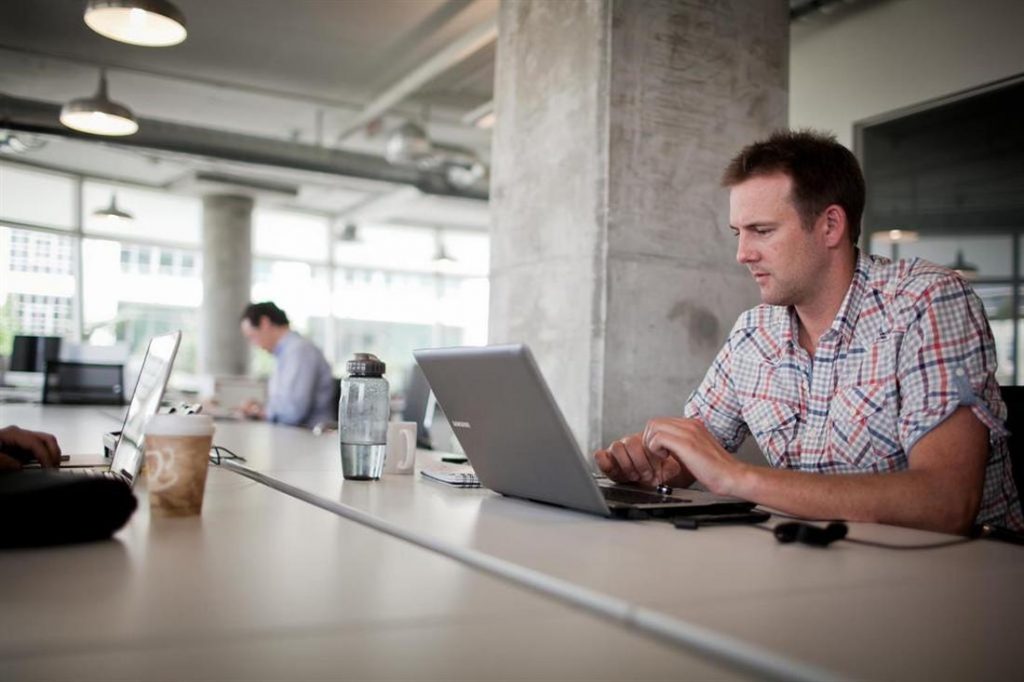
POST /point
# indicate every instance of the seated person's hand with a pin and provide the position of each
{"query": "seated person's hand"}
(252, 409)
(628, 461)
(19, 446)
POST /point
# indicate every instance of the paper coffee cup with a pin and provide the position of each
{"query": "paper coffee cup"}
(177, 457)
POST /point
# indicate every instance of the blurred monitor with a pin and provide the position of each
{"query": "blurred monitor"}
(31, 353)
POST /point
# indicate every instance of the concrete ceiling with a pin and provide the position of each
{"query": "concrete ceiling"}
(296, 70)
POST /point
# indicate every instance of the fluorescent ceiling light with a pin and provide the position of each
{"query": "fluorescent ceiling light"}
(150, 23)
(98, 115)
(903, 236)
(895, 236)
(112, 213)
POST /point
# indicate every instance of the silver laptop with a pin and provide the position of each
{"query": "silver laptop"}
(520, 445)
(149, 391)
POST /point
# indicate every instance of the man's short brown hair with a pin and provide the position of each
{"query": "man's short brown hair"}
(823, 171)
(254, 312)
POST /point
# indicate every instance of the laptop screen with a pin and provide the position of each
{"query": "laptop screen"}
(156, 368)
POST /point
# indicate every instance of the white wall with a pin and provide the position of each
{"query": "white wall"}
(888, 55)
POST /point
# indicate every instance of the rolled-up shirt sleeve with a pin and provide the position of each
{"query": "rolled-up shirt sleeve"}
(714, 402)
(947, 360)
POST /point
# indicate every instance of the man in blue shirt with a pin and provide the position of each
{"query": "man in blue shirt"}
(301, 389)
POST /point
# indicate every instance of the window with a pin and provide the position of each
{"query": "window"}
(166, 262)
(383, 294)
(158, 216)
(20, 190)
(286, 234)
(129, 305)
(944, 175)
(36, 293)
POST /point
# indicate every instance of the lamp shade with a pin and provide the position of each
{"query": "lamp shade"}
(99, 115)
(441, 255)
(962, 267)
(113, 213)
(150, 23)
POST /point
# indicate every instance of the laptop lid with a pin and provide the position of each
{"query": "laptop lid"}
(149, 391)
(510, 426)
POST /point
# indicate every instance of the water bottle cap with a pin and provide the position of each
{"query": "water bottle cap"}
(365, 365)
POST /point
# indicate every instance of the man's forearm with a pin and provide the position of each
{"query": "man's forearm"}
(919, 499)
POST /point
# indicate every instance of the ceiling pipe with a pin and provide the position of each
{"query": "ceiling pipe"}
(42, 117)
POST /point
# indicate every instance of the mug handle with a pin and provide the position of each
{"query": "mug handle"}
(410, 449)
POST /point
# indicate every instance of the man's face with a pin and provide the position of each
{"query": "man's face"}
(785, 259)
(260, 335)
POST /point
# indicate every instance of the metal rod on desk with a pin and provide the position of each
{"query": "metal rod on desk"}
(723, 649)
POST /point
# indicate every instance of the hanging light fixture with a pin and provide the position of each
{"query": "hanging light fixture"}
(112, 213)
(441, 256)
(150, 23)
(966, 270)
(98, 115)
(350, 234)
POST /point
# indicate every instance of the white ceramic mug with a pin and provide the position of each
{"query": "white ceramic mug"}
(401, 452)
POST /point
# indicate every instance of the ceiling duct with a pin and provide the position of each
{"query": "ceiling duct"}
(41, 117)
(409, 145)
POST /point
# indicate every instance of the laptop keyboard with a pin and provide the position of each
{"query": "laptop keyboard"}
(625, 496)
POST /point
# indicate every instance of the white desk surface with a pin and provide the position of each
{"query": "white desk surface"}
(864, 612)
(265, 586)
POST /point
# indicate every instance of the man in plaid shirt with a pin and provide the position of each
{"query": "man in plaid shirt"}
(852, 365)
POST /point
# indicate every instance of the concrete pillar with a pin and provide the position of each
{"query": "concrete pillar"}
(227, 268)
(611, 254)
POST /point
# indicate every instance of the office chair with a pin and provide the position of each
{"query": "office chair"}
(83, 383)
(1013, 396)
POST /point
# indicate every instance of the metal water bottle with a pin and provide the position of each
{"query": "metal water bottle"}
(363, 413)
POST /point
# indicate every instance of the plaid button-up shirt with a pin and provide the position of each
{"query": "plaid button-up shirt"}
(909, 345)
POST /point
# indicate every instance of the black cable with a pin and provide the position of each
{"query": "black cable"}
(216, 457)
(880, 545)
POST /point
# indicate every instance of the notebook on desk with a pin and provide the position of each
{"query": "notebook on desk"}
(520, 445)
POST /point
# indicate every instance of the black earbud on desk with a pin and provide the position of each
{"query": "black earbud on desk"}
(797, 531)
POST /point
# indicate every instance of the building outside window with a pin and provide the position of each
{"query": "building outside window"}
(37, 287)
(384, 294)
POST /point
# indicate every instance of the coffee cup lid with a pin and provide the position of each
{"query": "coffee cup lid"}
(180, 425)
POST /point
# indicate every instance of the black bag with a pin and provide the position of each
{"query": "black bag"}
(52, 507)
